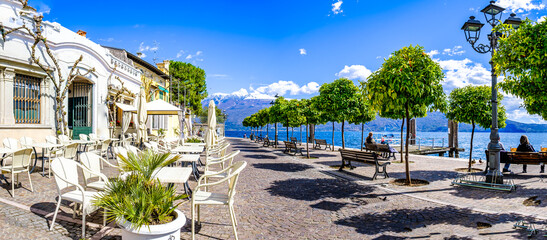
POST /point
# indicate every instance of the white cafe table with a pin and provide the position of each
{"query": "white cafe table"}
(193, 160)
(171, 175)
(84, 143)
(187, 149)
(194, 144)
(45, 147)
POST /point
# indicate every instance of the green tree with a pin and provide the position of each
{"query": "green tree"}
(408, 84)
(292, 116)
(472, 105)
(340, 102)
(365, 114)
(521, 57)
(263, 117)
(307, 108)
(187, 84)
(204, 114)
(277, 113)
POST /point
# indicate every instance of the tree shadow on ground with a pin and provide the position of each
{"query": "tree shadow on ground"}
(480, 193)
(308, 189)
(74, 230)
(283, 167)
(260, 156)
(404, 220)
(429, 175)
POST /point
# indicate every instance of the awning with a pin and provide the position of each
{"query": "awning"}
(160, 107)
(126, 108)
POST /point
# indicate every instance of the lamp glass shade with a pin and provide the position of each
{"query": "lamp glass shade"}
(513, 20)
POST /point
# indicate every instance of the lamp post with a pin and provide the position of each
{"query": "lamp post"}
(472, 29)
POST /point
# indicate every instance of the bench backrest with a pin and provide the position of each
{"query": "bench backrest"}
(293, 139)
(358, 155)
(321, 141)
(371, 146)
(383, 147)
(290, 144)
(520, 157)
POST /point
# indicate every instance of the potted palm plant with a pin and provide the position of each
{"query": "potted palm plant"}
(139, 203)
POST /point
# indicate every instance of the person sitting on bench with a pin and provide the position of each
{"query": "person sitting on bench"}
(525, 146)
(369, 138)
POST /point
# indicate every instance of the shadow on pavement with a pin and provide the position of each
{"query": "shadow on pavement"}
(282, 167)
(404, 220)
(314, 189)
(260, 156)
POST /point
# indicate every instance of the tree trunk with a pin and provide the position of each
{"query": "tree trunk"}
(471, 147)
(307, 142)
(402, 125)
(407, 167)
(275, 144)
(333, 136)
(300, 133)
(362, 135)
(343, 140)
(287, 129)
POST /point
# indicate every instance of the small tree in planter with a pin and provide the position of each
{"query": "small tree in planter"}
(138, 199)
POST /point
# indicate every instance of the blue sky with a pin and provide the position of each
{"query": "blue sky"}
(260, 48)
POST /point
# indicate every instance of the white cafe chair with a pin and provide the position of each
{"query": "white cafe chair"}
(20, 163)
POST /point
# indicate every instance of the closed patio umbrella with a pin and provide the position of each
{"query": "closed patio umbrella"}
(211, 136)
(141, 117)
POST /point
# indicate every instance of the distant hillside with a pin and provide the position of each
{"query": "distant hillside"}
(239, 107)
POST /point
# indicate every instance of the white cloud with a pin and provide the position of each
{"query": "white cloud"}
(280, 88)
(457, 50)
(143, 55)
(218, 76)
(541, 19)
(145, 48)
(180, 53)
(515, 111)
(107, 40)
(521, 5)
(337, 7)
(353, 72)
(433, 53)
(460, 73)
(43, 9)
(195, 57)
(303, 51)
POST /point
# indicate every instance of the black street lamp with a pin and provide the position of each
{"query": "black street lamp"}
(472, 29)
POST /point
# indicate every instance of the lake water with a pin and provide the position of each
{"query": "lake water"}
(480, 141)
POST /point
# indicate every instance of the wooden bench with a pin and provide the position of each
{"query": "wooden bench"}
(364, 157)
(319, 142)
(268, 142)
(291, 145)
(294, 140)
(533, 158)
(383, 149)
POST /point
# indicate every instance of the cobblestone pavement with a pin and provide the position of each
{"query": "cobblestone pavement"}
(281, 196)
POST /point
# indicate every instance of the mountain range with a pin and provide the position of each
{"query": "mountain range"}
(239, 106)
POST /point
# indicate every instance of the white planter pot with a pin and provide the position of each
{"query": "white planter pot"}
(168, 231)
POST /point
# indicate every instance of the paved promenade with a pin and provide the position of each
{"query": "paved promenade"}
(282, 196)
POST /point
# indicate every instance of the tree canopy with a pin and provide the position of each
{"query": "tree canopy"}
(521, 57)
(408, 84)
(203, 115)
(471, 104)
(339, 101)
(189, 77)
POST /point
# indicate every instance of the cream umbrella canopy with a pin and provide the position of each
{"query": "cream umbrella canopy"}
(141, 117)
(211, 136)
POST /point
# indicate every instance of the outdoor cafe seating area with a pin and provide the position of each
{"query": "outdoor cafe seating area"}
(78, 168)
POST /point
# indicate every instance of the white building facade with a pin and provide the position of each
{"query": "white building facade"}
(27, 95)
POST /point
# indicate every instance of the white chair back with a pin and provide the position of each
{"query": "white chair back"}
(120, 151)
(26, 141)
(66, 169)
(64, 139)
(93, 136)
(234, 171)
(83, 137)
(21, 158)
(133, 149)
(11, 143)
(104, 145)
(92, 162)
(51, 139)
(71, 150)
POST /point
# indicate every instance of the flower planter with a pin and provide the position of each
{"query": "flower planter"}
(168, 231)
